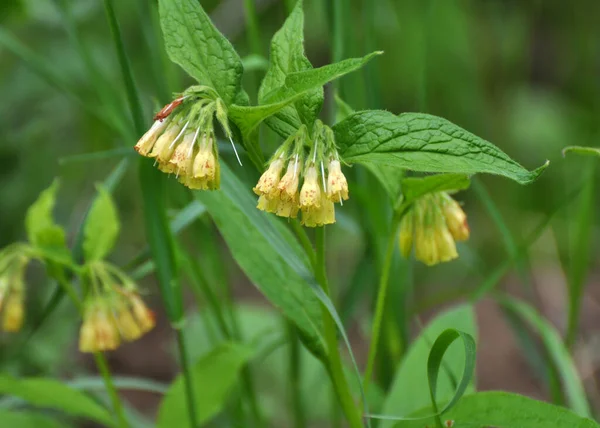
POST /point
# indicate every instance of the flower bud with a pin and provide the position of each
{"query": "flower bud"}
(128, 328)
(145, 144)
(163, 149)
(99, 331)
(13, 312)
(268, 182)
(145, 318)
(288, 185)
(456, 219)
(182, 160)
(310, 195)
(337, 186)
(446, 248)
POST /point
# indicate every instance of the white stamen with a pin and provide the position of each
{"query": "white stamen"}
(179, 135)
(296, 165)
(235, 151)
(323, 176)
(341, 200)
(193, 142)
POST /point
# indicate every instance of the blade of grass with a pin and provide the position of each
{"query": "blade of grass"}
(580, 252)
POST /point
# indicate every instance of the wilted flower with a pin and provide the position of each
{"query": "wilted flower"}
(182, 138)
(433, 224)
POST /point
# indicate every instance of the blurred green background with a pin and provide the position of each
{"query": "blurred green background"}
(524, 75)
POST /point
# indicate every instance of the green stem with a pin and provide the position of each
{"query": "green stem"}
(252, 27)
(334, 362)
(304, 241)
(111, 389)
(380, 306)
(295, 376)
(187, 378)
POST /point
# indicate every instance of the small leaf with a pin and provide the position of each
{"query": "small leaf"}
(193, 42)
(415, 187)
(51, 394)
(287, 56)
(101, 228)
(587, 151)
(42, 231)
(213, 377)
(505, 410)
(423, 142)
(268, 254)
(413, 371)
(21, 419)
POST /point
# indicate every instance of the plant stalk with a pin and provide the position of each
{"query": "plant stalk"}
(187, 377)
(295, 376)
(111, 389)
(334, 362)
(381, 296)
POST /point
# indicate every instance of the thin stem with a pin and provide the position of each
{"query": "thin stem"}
(380, 306)
(334, 362)
(295, 376)
(187, 377)
(304, 241)
(111, 389)
(252, 27)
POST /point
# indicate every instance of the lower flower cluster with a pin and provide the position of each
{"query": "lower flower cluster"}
(434, 222)
(112, 312)
(284, 196)
(12, 290)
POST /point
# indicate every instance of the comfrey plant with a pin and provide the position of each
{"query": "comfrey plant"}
(420, 160)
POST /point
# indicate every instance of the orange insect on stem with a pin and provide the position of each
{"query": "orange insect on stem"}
(168, 109)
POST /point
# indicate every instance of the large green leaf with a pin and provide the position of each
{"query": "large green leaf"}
(287, 56)
(269, 255)
(12, 419)
(505, 410)
(409, 391)
(193, 42)
(49, 393)
(422, 142)
(559, 354)
(101, 227)
(213, 376)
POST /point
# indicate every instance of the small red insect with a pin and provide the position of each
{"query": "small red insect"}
(168, 109)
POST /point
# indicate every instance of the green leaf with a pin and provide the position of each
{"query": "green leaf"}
(51, 394)
(42, 231)
(101, 227)
(269, 255)
(422, 142)
(247, 118)
(213, 377)
(505, 410)
(27, 420)
(559, 354)
(587, 151)
(415, 187)
(302, 81)
(403, 400)
(193, 42)
(287, 56)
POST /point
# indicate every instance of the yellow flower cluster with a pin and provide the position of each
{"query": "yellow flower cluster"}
(107, 319)
(283, 195)
(434, 222)
(182, 140)
(12, 292)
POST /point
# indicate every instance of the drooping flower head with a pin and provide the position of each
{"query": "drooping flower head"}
(305, 186)
(182, 139)
(113, 311)
(433, 224)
